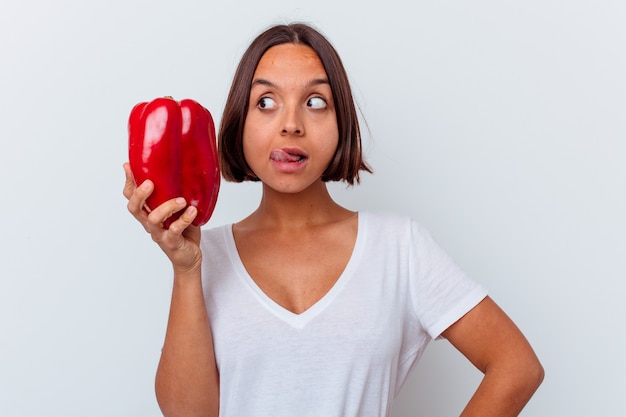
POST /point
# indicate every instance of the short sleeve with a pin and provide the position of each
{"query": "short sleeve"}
(441, 291)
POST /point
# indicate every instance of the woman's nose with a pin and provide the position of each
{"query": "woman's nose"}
(292, 122)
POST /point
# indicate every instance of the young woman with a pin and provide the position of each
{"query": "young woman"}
(306, 308)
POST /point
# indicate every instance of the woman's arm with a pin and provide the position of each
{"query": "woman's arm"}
(187, 380)
(494, 344)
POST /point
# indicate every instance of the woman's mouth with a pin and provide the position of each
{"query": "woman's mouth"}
(288, 155)
(288, 160)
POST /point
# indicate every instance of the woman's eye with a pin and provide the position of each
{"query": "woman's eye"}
(266, 103)
(316, 103)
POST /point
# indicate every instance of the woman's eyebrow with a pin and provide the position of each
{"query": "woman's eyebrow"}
(263, 82)
(317, 81)
(268, 83)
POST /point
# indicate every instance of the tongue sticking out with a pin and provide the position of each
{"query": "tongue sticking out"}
(281, 156)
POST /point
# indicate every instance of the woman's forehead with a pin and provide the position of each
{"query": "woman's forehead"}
(290, 59)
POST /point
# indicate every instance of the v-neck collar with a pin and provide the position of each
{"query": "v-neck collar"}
(289, 317)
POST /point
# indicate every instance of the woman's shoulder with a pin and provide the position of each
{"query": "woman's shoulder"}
(386, 219)
(216, 235)
(393, 225)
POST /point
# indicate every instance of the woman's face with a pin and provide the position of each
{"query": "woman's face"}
(290, 134)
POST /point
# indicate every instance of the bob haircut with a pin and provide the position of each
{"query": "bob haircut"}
(348, 159)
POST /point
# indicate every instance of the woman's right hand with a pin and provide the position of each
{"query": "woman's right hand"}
(181, 242)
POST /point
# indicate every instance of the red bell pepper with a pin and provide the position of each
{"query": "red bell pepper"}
(173, 144)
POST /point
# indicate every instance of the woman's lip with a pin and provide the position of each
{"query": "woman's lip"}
(288, 160)
(289, 155)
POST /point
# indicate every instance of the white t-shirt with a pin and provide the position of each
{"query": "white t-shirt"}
(350, 353)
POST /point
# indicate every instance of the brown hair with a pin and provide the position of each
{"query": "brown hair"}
(348, 159)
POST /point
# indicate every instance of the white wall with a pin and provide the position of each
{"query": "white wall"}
(499, 125)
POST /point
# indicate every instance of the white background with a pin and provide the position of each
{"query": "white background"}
(499, 125)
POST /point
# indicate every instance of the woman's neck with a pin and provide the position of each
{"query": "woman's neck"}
(311, 207)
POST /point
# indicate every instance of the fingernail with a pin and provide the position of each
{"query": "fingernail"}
(180, 201)
(145, 185)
